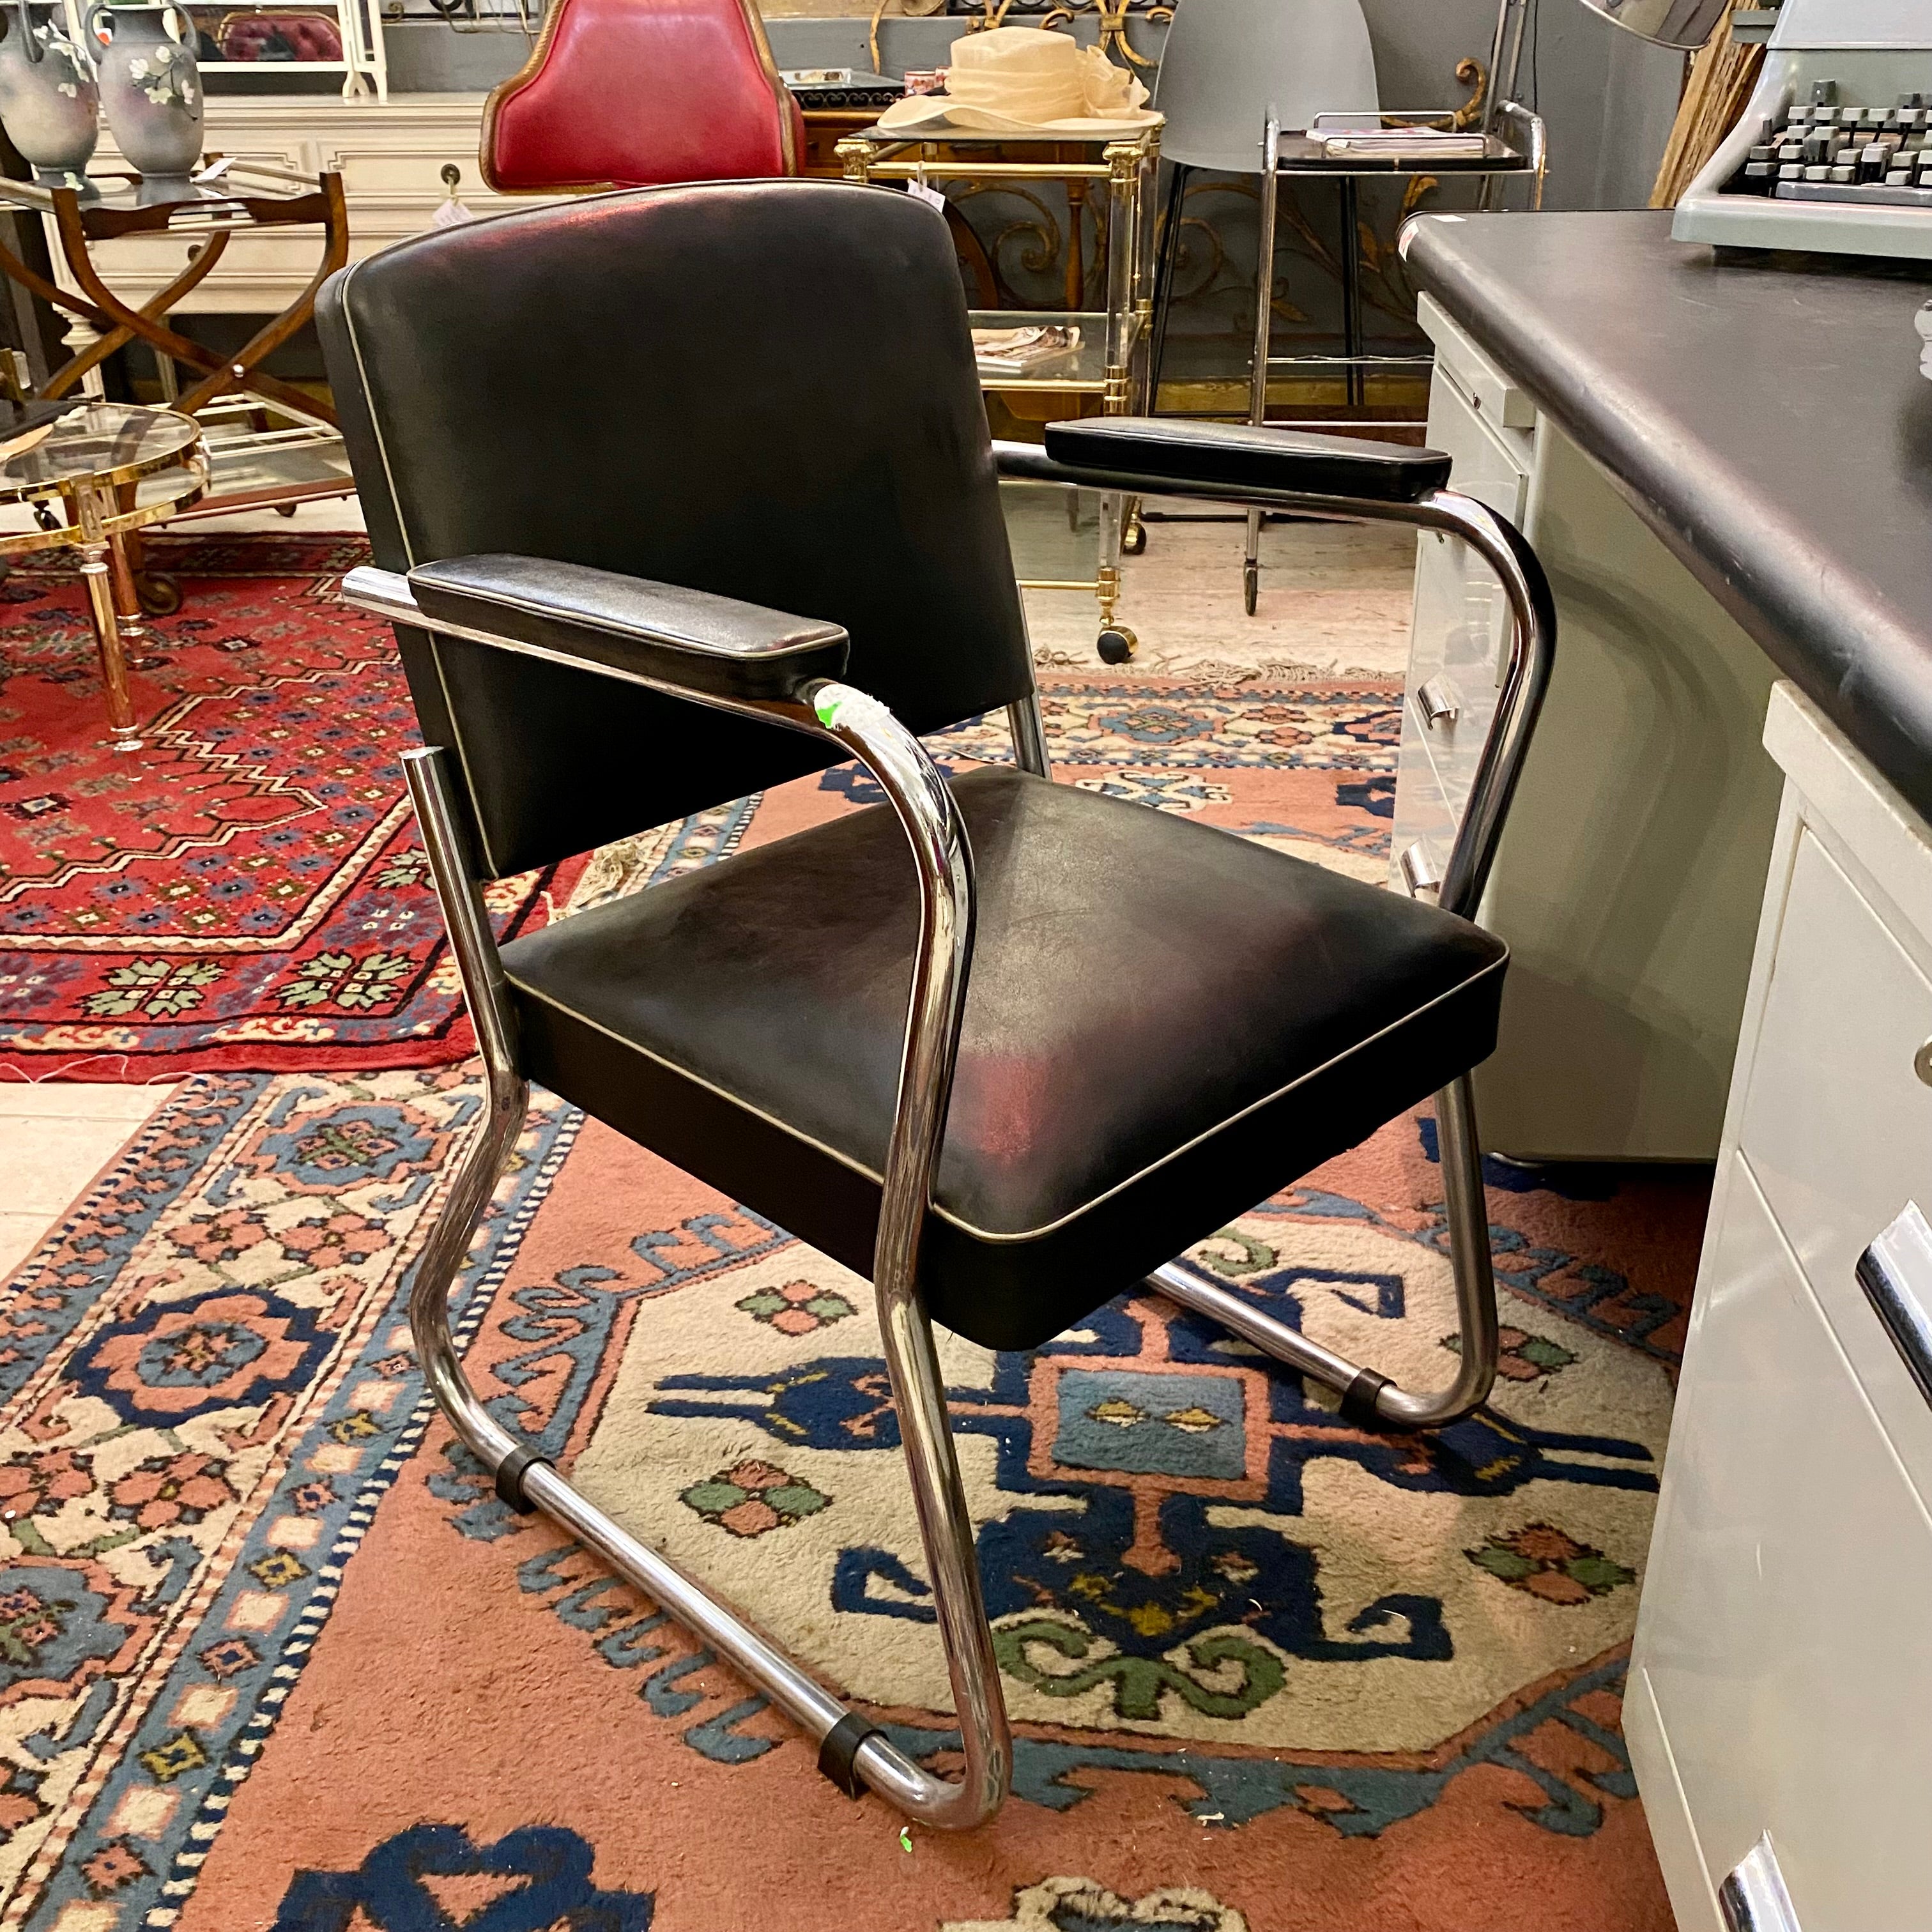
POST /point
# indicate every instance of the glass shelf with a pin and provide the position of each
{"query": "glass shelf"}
(1082, 372)
(276, 466)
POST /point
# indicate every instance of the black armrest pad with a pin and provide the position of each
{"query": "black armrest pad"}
(715, 646)
(1207, 456)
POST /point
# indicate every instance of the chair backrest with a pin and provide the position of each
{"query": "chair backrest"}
(1228, 63)
(642, 93)
(765, 390)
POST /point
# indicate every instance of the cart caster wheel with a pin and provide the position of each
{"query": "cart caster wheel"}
(1251, 587)
(1133, 539)
(158, 594)
(1117, 643)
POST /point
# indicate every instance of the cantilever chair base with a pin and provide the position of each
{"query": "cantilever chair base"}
(853, 1754)
(1368, 1396)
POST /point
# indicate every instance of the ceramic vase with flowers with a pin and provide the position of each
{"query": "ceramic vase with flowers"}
(150, 87)
(49, 104)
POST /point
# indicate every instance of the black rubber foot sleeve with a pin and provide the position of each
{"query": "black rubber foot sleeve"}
(510, 1473)
(840, 1748)
(1358, 1400)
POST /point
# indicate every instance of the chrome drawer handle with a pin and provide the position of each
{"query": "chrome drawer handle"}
(1418, 873)
(1435, 703)
(1753, 1897)
(1896, 1273)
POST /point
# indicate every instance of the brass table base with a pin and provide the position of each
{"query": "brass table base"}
(113, 467)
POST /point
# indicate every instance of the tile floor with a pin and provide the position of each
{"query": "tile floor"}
(1334, 599)
(54, 1137)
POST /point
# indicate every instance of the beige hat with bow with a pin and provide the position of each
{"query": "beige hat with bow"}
(1027, 80)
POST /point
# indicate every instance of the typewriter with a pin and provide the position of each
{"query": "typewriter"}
(1834, 152)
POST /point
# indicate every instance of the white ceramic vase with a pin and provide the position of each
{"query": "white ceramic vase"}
(150, 87)
(49, 104)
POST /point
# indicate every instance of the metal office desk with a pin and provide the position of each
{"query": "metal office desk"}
(1717, 883)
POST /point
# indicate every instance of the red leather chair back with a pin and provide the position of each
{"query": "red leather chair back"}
(642, 93)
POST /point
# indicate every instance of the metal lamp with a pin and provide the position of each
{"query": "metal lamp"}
(1686, 24)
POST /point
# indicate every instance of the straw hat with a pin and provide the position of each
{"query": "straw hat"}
(1027, 80)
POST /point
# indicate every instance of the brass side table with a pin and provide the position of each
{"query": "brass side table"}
(1112, 366)
(112, 467)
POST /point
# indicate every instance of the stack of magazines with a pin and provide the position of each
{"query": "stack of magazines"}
(1025, 351)
(1401, 144)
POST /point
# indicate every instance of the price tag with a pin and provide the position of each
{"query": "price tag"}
(932, 197)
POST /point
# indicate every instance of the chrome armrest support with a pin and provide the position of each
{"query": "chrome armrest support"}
(1532, 657)
(1368, 1396)
(930, 818)
(1500, 545)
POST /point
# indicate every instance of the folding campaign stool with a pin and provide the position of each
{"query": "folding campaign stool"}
(925, 1063)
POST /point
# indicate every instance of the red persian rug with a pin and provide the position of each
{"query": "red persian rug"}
(247, 891)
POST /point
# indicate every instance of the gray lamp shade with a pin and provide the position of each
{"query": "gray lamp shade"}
(1670, 23)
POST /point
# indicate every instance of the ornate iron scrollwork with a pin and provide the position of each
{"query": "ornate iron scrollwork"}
(1112, 15)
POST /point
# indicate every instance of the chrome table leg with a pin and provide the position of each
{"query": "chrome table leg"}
(1251, 555)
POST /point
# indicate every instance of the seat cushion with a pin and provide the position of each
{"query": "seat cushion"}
(1164, 1023)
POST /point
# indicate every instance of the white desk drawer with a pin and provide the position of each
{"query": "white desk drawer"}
(1784, 1629)
(1502, 401)
(1424, 824)
(1461, 621)
(1837, 1125)
(401, 173)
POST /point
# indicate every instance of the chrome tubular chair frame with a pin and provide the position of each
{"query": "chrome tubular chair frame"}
(1367, 1395)
(852, 1752)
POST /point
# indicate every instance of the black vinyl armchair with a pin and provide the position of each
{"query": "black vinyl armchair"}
(1007, 1047)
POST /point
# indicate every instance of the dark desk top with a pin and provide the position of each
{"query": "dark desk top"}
(1769, 422)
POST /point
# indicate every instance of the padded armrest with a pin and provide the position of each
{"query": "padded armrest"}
(712, 646)
(1207, 457)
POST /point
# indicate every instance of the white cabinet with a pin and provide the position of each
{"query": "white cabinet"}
(391, 156)
(1783, 1670)
(1626, 880)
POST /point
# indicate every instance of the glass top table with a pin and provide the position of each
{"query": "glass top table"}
(111, 467)
(238, 191)
(99, 445)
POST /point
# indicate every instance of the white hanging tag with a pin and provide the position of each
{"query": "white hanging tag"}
(452, 214)
(920, 191)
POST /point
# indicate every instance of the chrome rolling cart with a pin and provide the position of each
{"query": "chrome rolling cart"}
(1349, 149)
